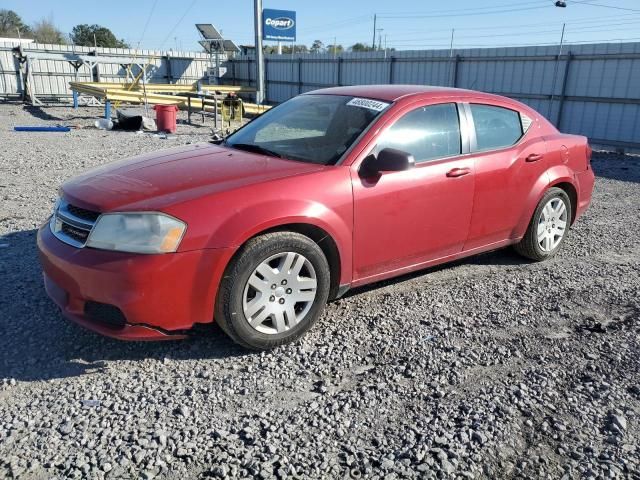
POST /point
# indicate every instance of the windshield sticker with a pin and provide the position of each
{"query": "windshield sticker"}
(376, 105)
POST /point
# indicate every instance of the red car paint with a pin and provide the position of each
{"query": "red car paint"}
(405, 221)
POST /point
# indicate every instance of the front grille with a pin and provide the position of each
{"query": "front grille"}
(75, 233)
(83, 213)
(108, 315)
(72, 224)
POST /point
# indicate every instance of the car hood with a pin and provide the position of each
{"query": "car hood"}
(160, 179)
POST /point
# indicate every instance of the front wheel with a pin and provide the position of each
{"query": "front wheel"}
(273, 291)
(548, 227)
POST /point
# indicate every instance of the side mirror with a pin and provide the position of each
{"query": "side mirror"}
(387, 160)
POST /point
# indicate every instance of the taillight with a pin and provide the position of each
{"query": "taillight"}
(589, 151)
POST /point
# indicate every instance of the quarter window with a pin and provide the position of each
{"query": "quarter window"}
(426, 133)
(496, 127)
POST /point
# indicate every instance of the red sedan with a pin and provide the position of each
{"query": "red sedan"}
(330, 190)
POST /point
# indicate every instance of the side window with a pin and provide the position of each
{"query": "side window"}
(426, 133)
(496, 127)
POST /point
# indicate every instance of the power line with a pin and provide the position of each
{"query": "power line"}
(588, 2)
(178, 23)
(144, 30)
(461, 14)
(520, 32)
(518, 27)
(465, 10)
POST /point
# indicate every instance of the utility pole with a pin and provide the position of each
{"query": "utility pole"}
(257, 7)
(380, 38)
(373, 42)
(451, 47)
(451, 56)
(555, 72)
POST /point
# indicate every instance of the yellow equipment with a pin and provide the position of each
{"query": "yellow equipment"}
(130, 93)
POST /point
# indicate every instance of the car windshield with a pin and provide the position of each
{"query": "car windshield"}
(310, 128)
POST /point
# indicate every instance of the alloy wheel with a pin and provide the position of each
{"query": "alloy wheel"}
(279, 293)
(552, 224)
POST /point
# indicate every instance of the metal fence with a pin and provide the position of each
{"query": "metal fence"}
(592, 90)
(51, 77)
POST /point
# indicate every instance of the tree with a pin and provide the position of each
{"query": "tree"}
(317, 46)
(296, 49)
(286, 49)
(83, 35)
(360, 47)
(335, 49)
(45, 31)
(11, 23)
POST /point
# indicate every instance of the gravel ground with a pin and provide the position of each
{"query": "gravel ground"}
(487, 368)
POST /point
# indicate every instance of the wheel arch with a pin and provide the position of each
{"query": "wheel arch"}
(320, 236)
(571, 191)
(560, 177)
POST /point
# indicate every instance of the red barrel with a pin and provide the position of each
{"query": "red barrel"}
(166, 117)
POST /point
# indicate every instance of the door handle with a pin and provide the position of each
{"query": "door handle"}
(458, 172)
(534, 157)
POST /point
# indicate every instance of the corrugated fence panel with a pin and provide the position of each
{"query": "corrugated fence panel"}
(592, 90)
(51, 77)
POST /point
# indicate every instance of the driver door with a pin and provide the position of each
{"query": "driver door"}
(407, 218)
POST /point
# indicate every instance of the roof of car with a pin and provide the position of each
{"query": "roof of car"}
(391, 93)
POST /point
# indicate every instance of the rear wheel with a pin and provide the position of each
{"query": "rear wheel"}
(273, 291)
(548, 227)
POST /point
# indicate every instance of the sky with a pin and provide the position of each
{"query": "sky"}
(401, 24)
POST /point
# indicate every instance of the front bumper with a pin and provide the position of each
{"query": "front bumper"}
(160, 296)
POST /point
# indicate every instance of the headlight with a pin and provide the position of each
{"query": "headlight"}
(137, 233)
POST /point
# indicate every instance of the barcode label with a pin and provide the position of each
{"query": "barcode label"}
(376, 105)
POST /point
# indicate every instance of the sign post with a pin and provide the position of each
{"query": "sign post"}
(257, 6)
(270, 24)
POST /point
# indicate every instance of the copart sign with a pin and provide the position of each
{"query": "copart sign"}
(278, 25)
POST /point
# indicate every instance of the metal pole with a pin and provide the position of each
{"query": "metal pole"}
(257, 7)
(215, 112)
(563, 91)
(217, 79)
(293, 47)
(451, 52)
(555, 72)
(373, 43)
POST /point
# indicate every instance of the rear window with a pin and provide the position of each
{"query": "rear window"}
(496, 127)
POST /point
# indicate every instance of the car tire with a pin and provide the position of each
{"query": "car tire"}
(273, 275)
(544, 236)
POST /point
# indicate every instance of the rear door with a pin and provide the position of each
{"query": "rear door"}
(509, 159)
(406, 218)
